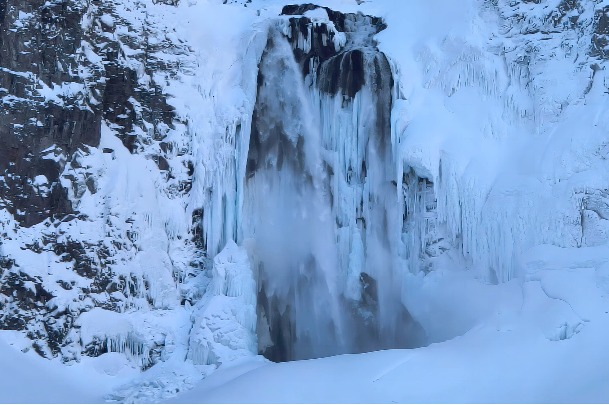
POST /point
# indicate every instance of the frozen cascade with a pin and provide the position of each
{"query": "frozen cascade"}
(314, 178)
(321, 209)
(422, 236)
(287, 214)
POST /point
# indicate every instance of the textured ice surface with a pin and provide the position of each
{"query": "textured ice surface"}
(498, 147)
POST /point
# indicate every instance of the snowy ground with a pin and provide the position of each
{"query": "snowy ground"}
(27, 378)
(544, 342)
(538, 339)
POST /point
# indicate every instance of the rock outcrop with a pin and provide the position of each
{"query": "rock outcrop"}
(70, 70)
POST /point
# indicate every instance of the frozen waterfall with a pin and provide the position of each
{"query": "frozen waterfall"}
(321, 205)
(287, 215)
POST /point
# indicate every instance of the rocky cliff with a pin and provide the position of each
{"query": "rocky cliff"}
(72, 71)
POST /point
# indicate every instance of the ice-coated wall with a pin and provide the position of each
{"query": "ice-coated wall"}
(352, 180)
(321, 205)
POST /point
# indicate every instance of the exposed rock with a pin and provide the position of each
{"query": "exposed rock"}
(65, 74)
(339, 68)
(600, 37)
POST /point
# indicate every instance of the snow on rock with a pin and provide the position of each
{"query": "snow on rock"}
(457, 180)
(224, 327)
(140, 338)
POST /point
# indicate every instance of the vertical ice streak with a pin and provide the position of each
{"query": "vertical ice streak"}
(287, 217)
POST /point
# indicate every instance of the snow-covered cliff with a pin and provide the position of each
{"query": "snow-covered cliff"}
(186, 184)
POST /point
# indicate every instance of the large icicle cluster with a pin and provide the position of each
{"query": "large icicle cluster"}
(535, 142)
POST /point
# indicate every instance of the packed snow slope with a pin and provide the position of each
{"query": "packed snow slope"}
(185, 185)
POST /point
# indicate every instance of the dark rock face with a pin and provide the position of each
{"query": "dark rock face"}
(347, 68)
(344, 73)
(280, 326)
(338, 69)
(600, 37)
(64, 75)
(30, 59)
(339, 19)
